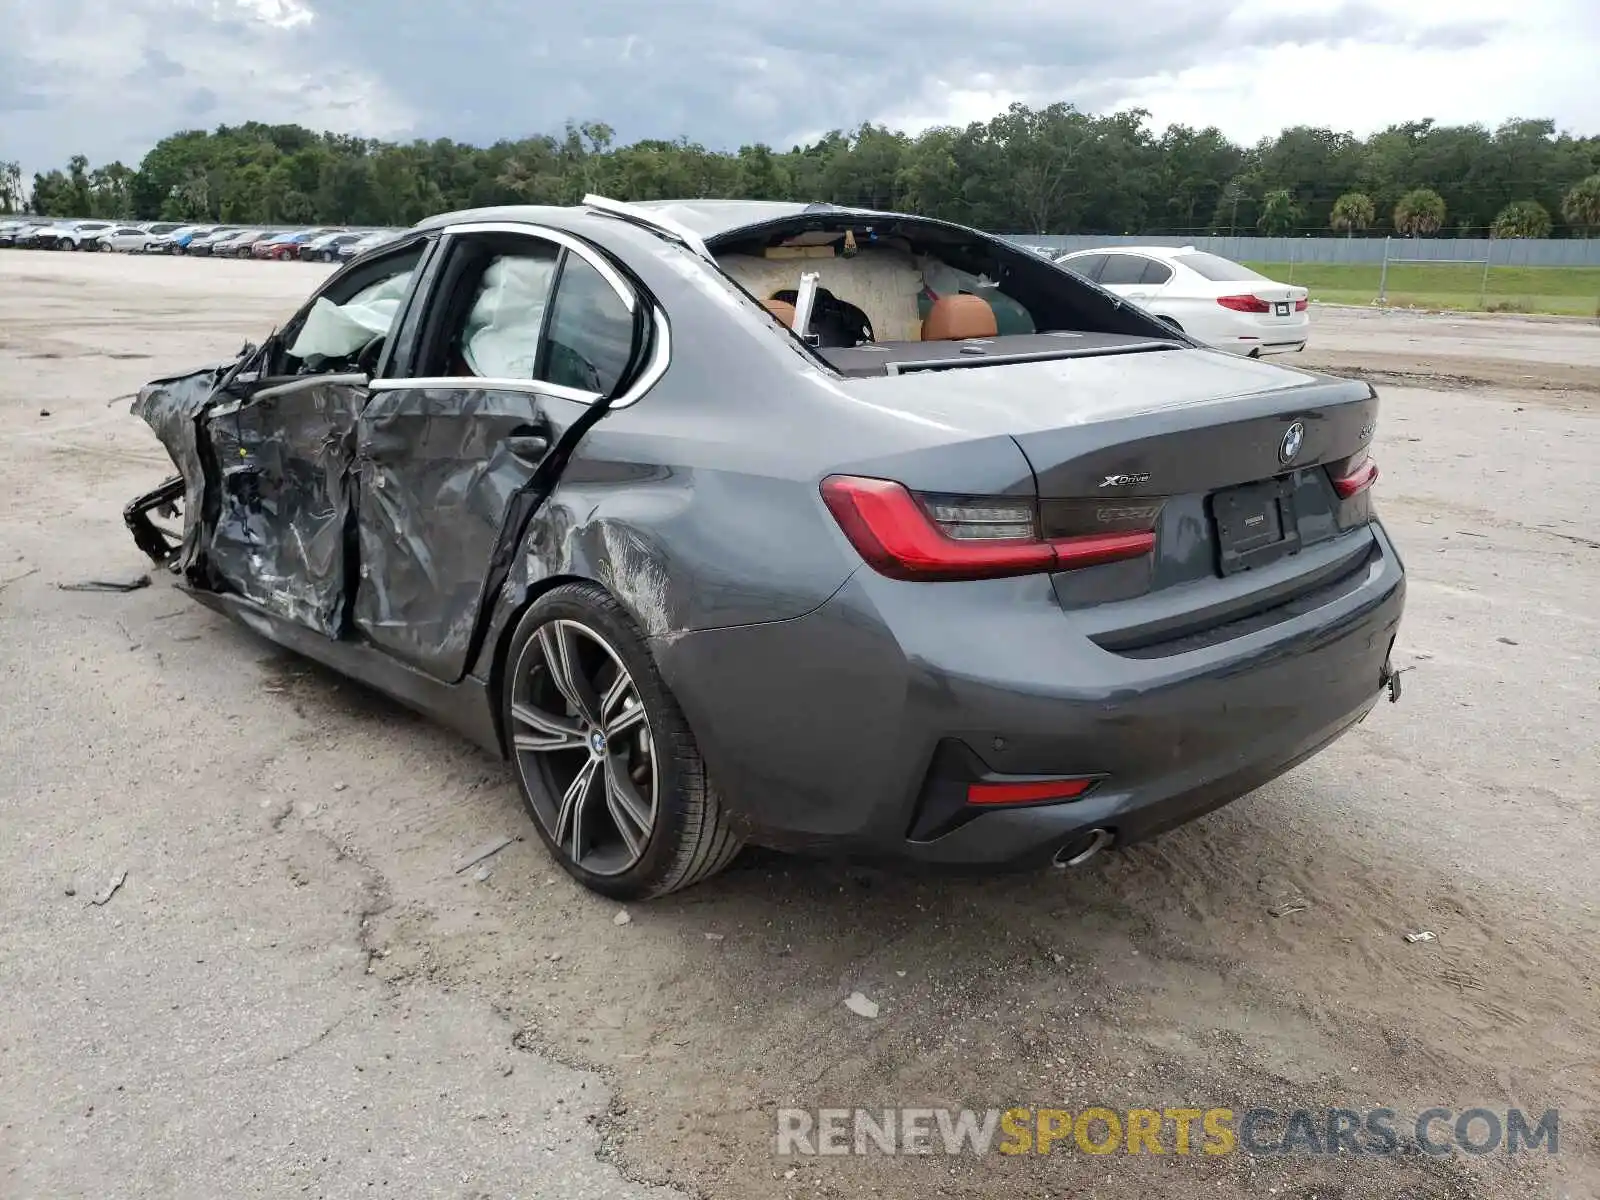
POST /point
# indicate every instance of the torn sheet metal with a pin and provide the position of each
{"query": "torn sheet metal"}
(172, 407)
(286, 499)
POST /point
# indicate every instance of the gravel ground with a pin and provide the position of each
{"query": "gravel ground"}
(294, 992)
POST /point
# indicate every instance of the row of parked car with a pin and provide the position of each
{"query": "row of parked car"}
(324, 244)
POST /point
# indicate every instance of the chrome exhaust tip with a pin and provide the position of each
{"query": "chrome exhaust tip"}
(1082, 848)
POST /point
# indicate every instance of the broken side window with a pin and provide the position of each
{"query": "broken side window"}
(335, 332)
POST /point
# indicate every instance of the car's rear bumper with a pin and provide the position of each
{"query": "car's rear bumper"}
(1260, 336)
(857, 727)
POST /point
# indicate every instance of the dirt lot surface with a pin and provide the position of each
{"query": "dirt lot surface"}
(294, 991)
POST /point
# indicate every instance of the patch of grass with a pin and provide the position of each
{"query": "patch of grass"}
(1569, 291)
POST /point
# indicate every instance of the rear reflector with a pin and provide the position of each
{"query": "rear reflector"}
(1029, 792)
(1363, 476)
(961, 537)
(1245, 304)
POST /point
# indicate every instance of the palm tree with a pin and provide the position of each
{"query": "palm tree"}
(1419, 212)
(1582, 204)
(1522, 219)
(1353, 211)
(1279, 213)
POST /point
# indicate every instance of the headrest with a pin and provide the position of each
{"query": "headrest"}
(955, 317)
(781, 309)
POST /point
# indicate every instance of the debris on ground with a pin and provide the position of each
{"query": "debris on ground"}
(714, 937)
(487, 850)
(339, 787)
(481, 874)
(107, 585)
(111, 890)
(1425, 935)
(861, 1006)
(1298, 904)
(5, 583)
(622, 918)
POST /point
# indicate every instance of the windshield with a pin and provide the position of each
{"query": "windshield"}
(1216, 269)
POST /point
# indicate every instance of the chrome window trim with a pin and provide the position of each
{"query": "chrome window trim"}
(337, 379)
(477, 383)
(582, 249)
(660, 353)
(660, 360)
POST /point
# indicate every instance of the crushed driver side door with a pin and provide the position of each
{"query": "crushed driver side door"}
(266, 448)
(283, 457)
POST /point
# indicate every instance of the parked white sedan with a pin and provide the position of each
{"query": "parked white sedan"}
(127, 238)
(1211, 298)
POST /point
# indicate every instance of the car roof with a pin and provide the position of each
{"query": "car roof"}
(706, 218)
(1147, 251)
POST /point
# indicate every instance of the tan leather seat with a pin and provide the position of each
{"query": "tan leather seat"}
(953, 318)
(781, 309)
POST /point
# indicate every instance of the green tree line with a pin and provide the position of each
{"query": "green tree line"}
(1054, 169)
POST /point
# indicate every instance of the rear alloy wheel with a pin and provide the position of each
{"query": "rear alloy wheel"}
(608, 766)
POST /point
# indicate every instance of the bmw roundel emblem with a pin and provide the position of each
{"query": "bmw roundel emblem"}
(1293, 438)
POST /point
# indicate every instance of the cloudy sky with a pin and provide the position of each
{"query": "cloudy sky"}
(108, 77)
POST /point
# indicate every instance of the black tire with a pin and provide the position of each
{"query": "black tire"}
(692, 837)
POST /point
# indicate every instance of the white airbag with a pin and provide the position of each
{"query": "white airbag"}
(339, 330)
(501, 337)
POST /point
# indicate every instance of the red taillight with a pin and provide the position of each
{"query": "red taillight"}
(1302, 305)
(1245, 304)
(972, 539)
(1358, 477)
(1033, 791)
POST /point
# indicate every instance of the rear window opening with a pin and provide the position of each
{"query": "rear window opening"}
(1218, 270)
(898, 294)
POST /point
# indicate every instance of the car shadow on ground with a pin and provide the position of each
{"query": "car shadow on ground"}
(1248, 959)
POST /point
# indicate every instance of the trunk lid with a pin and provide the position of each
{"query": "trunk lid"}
(1170, 421)
(1265, 289)
(1227, 459)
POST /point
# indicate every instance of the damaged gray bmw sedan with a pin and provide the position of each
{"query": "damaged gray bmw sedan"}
(822, 529)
